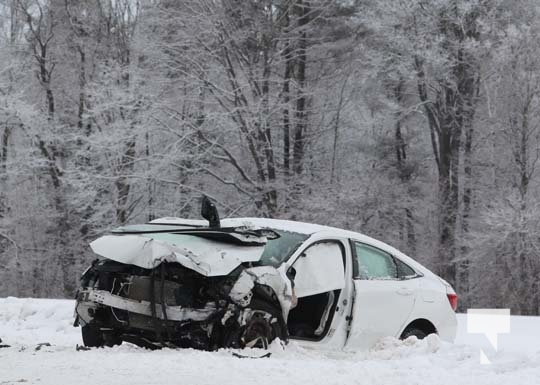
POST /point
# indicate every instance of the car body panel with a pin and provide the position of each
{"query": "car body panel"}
(207, 257)
(337, 334)
(269, 276)
(317, 273)
(174, 313)
(432, 304)
(381, 308)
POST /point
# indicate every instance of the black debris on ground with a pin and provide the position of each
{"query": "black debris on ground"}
(40, 345)
(3, 345)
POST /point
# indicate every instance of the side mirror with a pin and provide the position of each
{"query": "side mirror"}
(209, 212)
(291, 273)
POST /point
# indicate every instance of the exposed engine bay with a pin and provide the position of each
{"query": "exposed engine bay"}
(174, 306)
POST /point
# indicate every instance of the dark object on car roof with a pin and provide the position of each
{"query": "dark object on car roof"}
(209, 212)
(242, 236)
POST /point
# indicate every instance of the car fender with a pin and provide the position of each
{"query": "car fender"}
(436, 309)
(268, 276)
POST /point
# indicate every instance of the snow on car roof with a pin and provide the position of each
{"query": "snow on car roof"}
(278, 224)
(298, 227)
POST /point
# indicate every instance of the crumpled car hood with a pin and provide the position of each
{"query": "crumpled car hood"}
(205, 256)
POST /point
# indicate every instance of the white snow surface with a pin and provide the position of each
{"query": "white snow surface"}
(24, 323)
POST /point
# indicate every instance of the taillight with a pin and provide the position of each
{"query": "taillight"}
(452, 298)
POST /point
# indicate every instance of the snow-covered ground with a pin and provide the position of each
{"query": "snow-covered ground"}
(24, 323)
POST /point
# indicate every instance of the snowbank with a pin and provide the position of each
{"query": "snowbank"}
(26, 322)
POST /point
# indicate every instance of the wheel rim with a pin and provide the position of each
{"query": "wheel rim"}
(256, 333)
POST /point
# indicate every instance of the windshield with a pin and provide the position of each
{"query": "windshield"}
(279, 250)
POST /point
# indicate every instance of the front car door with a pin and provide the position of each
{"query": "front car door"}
(323, 264)
(383, 296)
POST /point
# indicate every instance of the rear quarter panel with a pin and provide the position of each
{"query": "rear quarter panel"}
(432, 304)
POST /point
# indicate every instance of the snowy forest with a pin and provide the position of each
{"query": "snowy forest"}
(416, 122)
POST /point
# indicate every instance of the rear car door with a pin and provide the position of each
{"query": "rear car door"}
(384, 296)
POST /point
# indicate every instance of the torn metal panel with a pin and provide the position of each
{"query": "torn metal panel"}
(275, 279)
(242, 235)
(174, 313)
(207, 257)
(241, 293)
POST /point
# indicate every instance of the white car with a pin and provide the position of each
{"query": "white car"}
(242, 282)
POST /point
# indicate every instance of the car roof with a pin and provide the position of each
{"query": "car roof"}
(282, 224)
(278, 224)
(298, 227)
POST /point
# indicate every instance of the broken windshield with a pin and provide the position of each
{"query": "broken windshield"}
(280, 249)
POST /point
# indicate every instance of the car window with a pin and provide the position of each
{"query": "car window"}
(404, 270)
(280, 249)
(374, 263)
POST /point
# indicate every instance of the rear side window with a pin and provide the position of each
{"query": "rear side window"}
(374, 263)
(404, 270)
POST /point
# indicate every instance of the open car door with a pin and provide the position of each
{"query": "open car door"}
(319, 269)
(320, 285)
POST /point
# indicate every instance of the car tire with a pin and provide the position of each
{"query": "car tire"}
(258, 326)
(92, 336)
(418, 333)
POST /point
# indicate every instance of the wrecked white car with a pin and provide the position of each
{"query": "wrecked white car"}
(243, 282)
(182, 283)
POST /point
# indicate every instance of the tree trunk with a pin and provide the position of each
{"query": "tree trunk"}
(302, 11)
(336, 130)
(271, 192)
(123, 185)
(82, 91)
(404, 174)
(451, 111)
(4, 149)
(287, 100)
(463, 273)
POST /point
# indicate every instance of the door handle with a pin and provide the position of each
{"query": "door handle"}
(404, 291)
